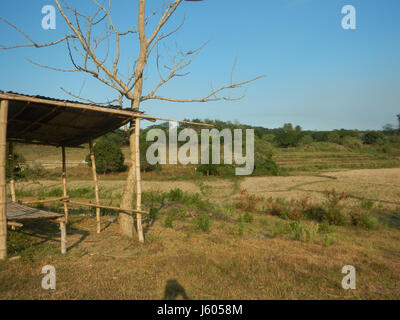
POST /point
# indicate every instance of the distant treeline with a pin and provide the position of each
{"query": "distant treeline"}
(286, 136)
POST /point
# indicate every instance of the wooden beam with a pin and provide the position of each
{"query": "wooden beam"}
(76, 105)
(45, 201)
(106, 207)
(64, 183)
(15, 224)
(96, 185)
(3, 191)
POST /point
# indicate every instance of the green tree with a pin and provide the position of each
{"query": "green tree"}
(374, 137)
(108, 157)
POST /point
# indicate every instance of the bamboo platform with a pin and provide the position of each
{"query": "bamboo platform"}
(16, 211)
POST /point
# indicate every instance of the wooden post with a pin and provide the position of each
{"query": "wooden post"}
(64, 182)
(96, 185)
(63, 230)
(138, 182)
(11, 167)
(3, 183)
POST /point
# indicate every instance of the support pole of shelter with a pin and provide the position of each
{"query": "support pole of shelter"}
(64, 182)
(138, 181)
(96, 185)
(3, 186)
(63, 230)
(11, 168)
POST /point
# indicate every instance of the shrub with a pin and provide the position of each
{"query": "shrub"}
(246, 201)
(246, 217)
(302, 232)
(306, 140)
(325, 227)
(286, 138)
(328, 240)
(203, 222)
(351, 142)
(374, 137)
(364, 220)
(333, 137)
(108, 157)
(366, 204)
(175, 194)
(266, 167)
(169, 221)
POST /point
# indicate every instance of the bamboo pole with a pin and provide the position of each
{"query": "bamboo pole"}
(14, 224)
(96, 185)
(79, 203)
(138, 182)
(64, 183)
(11, 167)
(45, 200)
(3, 186)
(63, 230)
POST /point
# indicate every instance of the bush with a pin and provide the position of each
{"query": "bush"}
(175, 194)
(374, 137)
(364, 220)
(351, 142)
(203, 222)
(169, 221)
(333, 137)
(108, 157)
(287, 138)
(246, 217)
(306, 140)
(302, 232)
(267, 167)
(297, 230)
(247, 202)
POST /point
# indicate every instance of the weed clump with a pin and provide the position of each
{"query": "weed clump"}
(203, 223)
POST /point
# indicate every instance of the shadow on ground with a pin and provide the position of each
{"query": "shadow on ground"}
(174, 291)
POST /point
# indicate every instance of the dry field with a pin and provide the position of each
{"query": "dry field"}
(233, 260)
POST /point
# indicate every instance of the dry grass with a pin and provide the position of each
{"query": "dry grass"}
(217, 265)
(235, 260)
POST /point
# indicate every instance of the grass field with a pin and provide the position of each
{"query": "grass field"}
(235, 257)
(218, 238)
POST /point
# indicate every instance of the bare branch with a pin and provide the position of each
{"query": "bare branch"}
(33, 43)
(108, 103)
(210, 97)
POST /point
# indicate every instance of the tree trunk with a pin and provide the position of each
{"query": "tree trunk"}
(127, 221)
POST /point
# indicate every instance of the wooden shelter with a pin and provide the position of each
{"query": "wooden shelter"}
(59, 123)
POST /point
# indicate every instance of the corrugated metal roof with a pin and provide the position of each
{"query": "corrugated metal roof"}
(69, 123)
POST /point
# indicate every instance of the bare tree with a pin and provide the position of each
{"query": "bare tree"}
(94, 47)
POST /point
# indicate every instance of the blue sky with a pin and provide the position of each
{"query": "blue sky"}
(320, 76)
